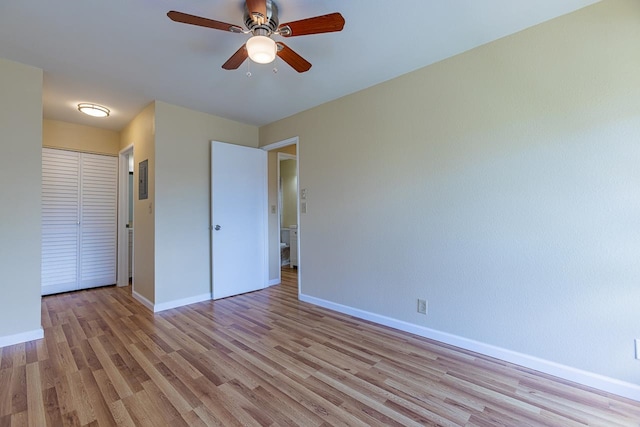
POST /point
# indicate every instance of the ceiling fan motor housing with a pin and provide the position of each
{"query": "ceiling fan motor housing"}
(262, 25)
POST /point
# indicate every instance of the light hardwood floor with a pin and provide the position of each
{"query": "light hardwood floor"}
(265, 358)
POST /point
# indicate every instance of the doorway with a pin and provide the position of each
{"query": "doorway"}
(125, 216)
(280, 224)
(287, 180)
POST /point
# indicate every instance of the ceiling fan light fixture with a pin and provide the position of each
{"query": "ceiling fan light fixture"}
(94, 110)
(261, 49)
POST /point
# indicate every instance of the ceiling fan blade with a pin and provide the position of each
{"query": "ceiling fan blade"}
(257, 6)
(296, 61)
(236, 59)
(319, 24)
(185, 18)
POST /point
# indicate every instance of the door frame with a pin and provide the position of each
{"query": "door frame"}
(270, 147)
(122, 278)
(280, 157)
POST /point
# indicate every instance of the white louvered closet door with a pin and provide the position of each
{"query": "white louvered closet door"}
(60, 216)
(79, 214)
(98, 220)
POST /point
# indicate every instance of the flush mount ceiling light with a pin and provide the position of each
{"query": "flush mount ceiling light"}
(261, 49)
(94, 110)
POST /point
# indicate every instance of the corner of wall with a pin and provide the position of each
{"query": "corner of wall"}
(20, 244)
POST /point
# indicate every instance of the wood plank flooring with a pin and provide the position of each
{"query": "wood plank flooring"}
(263, 359)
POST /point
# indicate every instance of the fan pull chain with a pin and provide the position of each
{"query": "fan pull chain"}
(249, 69)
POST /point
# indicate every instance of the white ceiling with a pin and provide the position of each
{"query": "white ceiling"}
(125, 54)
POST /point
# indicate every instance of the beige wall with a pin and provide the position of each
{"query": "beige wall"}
(70, 136)
(289, 176)
(274, 230)
(20, 187)
(141, 133)
(182, 241)
(501, 185)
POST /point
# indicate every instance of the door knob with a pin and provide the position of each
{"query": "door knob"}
(217, 227)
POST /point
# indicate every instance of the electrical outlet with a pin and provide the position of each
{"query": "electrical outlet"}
(637, 342)
(422, 306)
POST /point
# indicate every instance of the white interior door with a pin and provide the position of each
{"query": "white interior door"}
(239, 219)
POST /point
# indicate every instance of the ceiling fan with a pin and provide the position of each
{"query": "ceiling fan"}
(261, 20)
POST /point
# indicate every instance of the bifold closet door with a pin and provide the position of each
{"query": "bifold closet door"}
(60, 220)
(79, 219)
(98, 220)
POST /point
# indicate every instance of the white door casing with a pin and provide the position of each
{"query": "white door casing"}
(270, 147)
(123, 216)
(238, 218)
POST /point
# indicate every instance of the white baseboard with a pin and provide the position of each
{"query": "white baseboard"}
(601, 382)
(142, 300)
(170, 304)
(181, 302)
(274, 282)
(8, 340)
